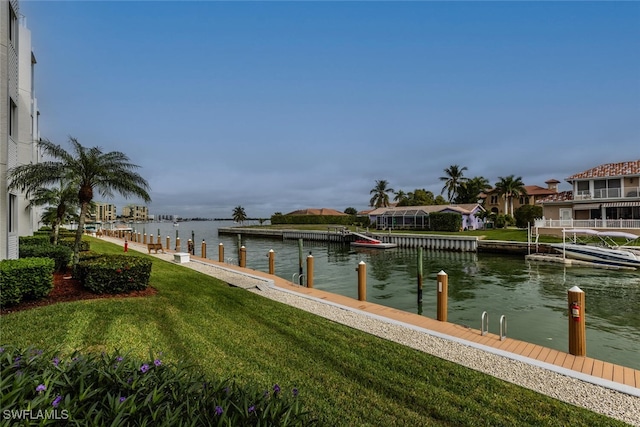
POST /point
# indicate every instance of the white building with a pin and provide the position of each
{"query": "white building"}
(19, 117)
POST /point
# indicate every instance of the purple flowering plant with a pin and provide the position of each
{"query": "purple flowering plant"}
(129, 388)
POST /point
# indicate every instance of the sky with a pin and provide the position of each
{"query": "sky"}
(277, 106)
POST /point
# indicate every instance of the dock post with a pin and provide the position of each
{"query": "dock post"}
(168, 243)
(203, 249)
(300, 256)
(577, 322)
(243, 256)
(144, 238)
(362, 281)
(178, 248)
(220, 252)
(272, 262)
(419, 274)
(310, 271)
(159, 238)
(443, 285)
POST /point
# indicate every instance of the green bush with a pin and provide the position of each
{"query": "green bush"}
(71, 241)
(36, 239)
(527, 214)
(61, 255)
(119, 390)
(114, 274)
(445, 221)
(25, 278)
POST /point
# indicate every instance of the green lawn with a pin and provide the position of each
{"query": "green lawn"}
(346, 377)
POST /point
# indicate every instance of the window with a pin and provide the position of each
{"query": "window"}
(13, 27)
(13, 213)
(494, 200)
(13, 118)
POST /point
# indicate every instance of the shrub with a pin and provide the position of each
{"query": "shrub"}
(119, 390)
(113, 274)
(445, 221)
(36, 239)
(61, 255)
(25, 278)
(527, 214)
(71, 241)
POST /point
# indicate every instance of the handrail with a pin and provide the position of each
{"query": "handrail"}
(484, 323)
(503, 327)
(300, 277)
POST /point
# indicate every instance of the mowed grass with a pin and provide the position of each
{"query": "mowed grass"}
(345, 377)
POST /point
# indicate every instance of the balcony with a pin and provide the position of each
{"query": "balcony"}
(608, 193)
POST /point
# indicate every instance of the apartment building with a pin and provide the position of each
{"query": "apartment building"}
(104, 212)
(19, 119)
(135, 213)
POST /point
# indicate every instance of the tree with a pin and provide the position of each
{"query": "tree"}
(452, 181)
(418, 197)
(469, 190)
(510, 187)
(351, 211)
(90, 168)
(400, 197)
(63, 202)
(239, 215)
(380, 194)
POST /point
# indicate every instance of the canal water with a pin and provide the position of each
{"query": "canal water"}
(532, 295)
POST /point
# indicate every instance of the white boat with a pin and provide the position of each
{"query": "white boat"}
(597, 247)
(376, 244)
(370, 242)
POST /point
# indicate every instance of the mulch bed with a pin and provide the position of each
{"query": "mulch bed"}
(66, 289)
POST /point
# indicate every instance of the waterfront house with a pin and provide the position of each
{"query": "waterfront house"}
(603, 197)
(496, 203)
(417, 217)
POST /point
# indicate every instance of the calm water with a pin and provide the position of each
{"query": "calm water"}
(533, 296)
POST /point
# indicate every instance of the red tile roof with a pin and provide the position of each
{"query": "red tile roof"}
(321, 211)
(609, 170)
(562, 196)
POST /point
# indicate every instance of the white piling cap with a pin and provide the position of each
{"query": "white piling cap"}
(361, 263)
(442, 273)
(575, 289)
(270, 250)
(220, 244)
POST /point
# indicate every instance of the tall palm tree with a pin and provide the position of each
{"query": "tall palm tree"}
(380, 194)
(63, 200)
(239, 215)
(510, 187)
(92, 169)
(452, 180)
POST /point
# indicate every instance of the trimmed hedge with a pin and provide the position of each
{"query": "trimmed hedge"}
(36, 239)
(320, 219)
(71, 241)
(114, 274)
(445, 221)
(25, 278)
(61, 255)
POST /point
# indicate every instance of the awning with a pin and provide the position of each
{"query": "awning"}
(621, 204)
(587, 206)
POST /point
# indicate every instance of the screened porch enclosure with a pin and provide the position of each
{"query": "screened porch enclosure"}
(405, 218)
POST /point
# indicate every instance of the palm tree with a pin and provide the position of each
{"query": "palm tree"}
(400, 196)
(510, 187)
(452, 181)
(469, 190)
(380, 194)
(63, 202)
(239, 215)
(90, 168)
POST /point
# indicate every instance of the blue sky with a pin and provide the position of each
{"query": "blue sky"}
(277, 106)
